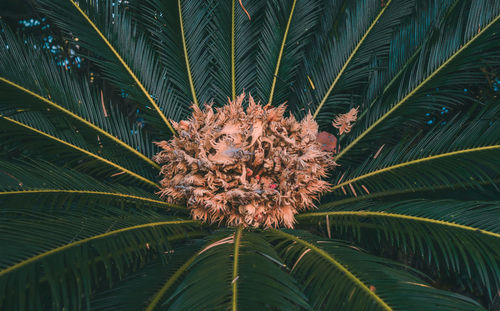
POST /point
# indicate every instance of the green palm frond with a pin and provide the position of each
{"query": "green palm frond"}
(125, 56)
(164, 19)
(454, 53)
(219, 15)
(41, 136)
(405, 46)
(194, 25)
(487, 189)
(458, 236)
(362, 35)
(238, 270)
(154, 280)
(54, 186)
(247, 37)
(31, 74)
(286, 32)
(106, 244)
(157, 281)
(335, 275)
(462, 152)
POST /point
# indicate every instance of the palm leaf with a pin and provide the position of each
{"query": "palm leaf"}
(81, 229)
(194, 24)
(41, 246)
(336, 276)
(362, 36)
(20, 124)
(405, 46)
(350, 57)
(165, 20)
(107, 31)
(463, 152)
(53, 186)
(151, 279)
(234, 272)
(443, 54)
(453, 236)
(285, 33)
(32, 74)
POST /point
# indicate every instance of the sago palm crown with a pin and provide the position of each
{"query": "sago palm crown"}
(252, 155)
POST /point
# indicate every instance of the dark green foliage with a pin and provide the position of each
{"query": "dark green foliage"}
(416, 227)
(460, 154)
(362, 281)
(261, 283)
(82, 229)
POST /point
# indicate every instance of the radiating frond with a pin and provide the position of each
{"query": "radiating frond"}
(285, 33)
(453, 236)
(38, 270)
(124, 54)
(464, 151)
(412, 219)
(45, 136)
(247, 36)
(259, 284)
(352, 39)
(53, 186)
(405, 46)
(154, 280)
(195, 20)
(30, 79)
(445, 54)
(336, 275)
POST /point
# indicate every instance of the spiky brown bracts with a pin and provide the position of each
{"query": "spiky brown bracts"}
(344, 121)
(256, 168)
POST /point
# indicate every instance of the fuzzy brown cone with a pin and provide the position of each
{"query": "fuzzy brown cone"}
(255, 168)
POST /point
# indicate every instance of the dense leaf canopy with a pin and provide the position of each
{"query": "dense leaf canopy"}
(412, 221)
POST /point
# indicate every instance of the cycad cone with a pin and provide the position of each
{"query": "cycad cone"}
(254, 168)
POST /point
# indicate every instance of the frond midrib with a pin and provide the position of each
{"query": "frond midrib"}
(280, 55)
(82, 120)
(90, 192)
(186, 55)
(395, 192)
(233, 47)
(101, 258)
(237, 239)
(414, 162)
(351, 56)
(82, 241)
(86, 152)
(417, 88)
(401, 216)
(400, 71)
(124, 64)
(338, 265)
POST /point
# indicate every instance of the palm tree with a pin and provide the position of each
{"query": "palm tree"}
(411, 203)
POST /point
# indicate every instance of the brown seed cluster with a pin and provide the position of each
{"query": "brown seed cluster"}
(256, 168)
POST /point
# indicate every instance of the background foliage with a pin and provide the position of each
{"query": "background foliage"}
(412, 221)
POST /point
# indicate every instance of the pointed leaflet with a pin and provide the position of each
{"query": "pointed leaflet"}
(285, 33)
